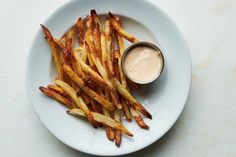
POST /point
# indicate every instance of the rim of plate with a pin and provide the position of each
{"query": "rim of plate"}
(138, 147)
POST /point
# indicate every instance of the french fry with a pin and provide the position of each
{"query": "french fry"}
(80, 34)
(126, 94)
(54, 51)
(120, 30)
(51, 93)
(80, 31)
(77, 100)
(58, 43)
(102, 119)
(58, 89)
(63, 39)
(104, 51)
(108, 105)
(116, 65)
(118, 134)
(96, 33)
(109, 131)
(109, 33)
(71, 35)
(126, 110)
(95, 18)
(138, 118)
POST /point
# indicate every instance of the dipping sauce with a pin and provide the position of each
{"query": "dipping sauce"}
(143, 64)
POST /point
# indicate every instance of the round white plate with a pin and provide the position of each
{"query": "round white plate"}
(165, 98)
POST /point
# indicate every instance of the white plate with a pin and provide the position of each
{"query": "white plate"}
(165, 98)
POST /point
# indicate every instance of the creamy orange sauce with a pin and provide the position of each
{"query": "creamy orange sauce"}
(143, 64)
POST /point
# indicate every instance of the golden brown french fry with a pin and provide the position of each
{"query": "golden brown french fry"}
(77, 100)
(104, 51)
(95, 18)
(126, 94)
(138, 118)
(84, 55)
(51, 93)
(96, 33)
(109, 34)
(119, 38)
(57, 89)
(108, 105)
(58, 43)
(126, 110)
(109, 131)
(116, 66)
(63, 39)
(120, 30)
(55, 53)
(80, 31)
(102, 119)
(118, 134)
(67, 57)
(70, 34)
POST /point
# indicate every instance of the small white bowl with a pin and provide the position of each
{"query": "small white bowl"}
(142, 44)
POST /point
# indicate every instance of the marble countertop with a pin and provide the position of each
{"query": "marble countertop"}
(207, 126)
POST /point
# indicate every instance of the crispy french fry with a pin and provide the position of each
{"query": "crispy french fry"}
(77, 100)
(84, 55)
(138, 118)
(126, 110)
(116, 66)
(70, 34)
(119, 38)
(58, 89)
(102, 119)
(95, 108)
(118, 134)
(109, 33)
(54, 51)
(104, 51)
(51, 93)
(109, 131)
(126, 94)
(86, 89)
(80, 31)
(63, 39)
(96, 33)
(58, 43)
(95, 18)
(120, 30)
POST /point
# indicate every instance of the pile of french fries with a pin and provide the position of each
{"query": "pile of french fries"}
(90, 80)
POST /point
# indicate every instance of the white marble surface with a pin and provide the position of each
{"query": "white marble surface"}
(207, 127)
